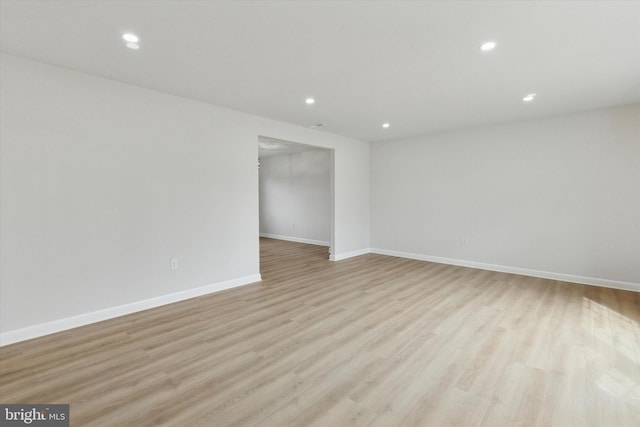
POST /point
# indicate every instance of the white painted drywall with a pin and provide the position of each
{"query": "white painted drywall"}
(560, 194)
(102, 183)
(295, 196)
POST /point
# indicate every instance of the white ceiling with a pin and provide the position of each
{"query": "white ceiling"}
(271, 147)
(414, 64)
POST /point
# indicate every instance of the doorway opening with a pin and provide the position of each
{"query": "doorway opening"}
(296, 192)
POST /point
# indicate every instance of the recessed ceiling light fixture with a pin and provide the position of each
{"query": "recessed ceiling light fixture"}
(487, 46)
(385, 125)
(310, 101)
(130, 37)
(530, 97)
(270, 145)
(134, 46)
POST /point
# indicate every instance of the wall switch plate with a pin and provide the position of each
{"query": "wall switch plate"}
(174, 263)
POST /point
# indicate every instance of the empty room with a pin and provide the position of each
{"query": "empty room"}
(319, 213)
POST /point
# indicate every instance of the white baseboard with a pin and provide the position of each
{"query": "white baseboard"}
(295, 239)
(345, 255)
(615, 284)
(41, 329)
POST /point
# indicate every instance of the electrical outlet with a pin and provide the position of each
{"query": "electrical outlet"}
(174, 263)
(293, 225)
(465, 240)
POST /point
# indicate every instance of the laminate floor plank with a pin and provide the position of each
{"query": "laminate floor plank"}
(368, 341)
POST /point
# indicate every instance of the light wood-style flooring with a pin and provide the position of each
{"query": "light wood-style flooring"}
(372, 340)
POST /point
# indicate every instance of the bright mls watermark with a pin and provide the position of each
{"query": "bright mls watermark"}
(34, 415)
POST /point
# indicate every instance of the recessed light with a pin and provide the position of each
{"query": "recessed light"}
(385, 125)
(270, 145)
(134, 46)
(310, 101)
(487, 46)
(530, 97)
(129, 37)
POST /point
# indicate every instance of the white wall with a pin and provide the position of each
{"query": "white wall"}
(556, 195)
(102, 183)
(295, 196)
